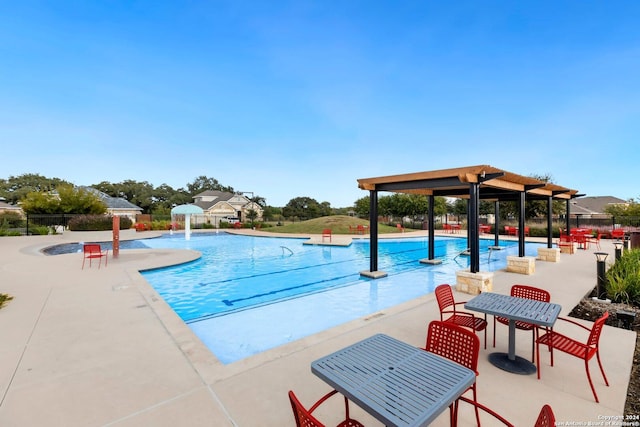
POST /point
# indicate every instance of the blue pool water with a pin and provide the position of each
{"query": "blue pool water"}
(250, 294)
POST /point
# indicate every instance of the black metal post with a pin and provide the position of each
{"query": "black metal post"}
(496, 222)
(568, 226)
(373, 230)
(618, 246)
(473, 232)
(550, 222)
(432, 228)
(521, 215)
(601, 272)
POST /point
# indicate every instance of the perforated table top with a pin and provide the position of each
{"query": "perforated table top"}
(526, 310)
(397, 383)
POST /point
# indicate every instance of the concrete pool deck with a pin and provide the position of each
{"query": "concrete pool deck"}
(99, 347)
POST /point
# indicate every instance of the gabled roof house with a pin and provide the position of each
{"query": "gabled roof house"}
(6, 207)
(116, 206)
(594, 206)
(221, 204)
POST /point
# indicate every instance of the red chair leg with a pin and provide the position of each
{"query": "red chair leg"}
(593, 389)
(475, 400)
(601, 369)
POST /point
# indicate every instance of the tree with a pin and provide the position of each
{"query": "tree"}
(632, 208)
(270, 212)
(66, 200)
(252, 215)
(459, 207)
(401, 205)
(361, 206)
(306, 208)
(16, 188)
(204, 183)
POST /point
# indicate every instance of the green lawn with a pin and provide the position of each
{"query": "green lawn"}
(339, 224)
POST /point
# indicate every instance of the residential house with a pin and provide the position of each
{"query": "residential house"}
(223, 206)
(593, 207)
(6, 207)
(116, 206)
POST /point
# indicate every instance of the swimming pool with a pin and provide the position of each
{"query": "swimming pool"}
(249, 294)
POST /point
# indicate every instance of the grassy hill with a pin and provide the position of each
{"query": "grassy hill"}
(339, 224)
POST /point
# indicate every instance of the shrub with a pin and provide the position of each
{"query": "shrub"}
(11, 220)
(623, 279)
(41, 230)
(97, 223)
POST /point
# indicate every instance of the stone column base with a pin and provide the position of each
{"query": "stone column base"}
(474, 283)
(373, 274)
(549, 254)
(521, 265)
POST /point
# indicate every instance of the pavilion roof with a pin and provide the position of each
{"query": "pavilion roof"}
(494, 184)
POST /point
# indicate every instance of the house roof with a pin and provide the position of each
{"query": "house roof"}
(6, 206)
(594, 204)
(113, 202)
(219, 195)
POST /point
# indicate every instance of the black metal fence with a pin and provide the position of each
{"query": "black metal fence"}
(47, 223)
(602, 224)
(57, 223)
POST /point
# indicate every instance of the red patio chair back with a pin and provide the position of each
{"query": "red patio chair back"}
(453, 342)
(449, 313)
(93, 251)
(326, 233)
(305, 418)
(546, 418)
(617, 233)
(529, 292)
(457, 344)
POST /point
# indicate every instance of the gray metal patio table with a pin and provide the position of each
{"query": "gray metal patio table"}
(397, 383)
(514, 308)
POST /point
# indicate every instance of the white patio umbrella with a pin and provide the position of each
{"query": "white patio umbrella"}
(187, 211)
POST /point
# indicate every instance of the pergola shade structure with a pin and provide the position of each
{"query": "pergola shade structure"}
(473, 183)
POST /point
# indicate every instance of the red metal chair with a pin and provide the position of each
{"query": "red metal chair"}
(305, 418)
(565, 241)
(94, 251)
(595, 239)
(546, 418)
(400, 227)
(457, 344)
(617, 233)
(326, 233)
(529, 292)
(582, 350)
(448, 312)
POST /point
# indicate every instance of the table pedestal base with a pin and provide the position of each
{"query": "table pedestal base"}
(518, 366)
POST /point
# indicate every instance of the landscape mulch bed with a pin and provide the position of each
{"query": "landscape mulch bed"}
(589, 309)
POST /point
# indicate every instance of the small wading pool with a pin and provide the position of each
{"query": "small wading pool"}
(248, 294)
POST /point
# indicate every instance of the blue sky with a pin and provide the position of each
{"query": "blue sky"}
(301, 98)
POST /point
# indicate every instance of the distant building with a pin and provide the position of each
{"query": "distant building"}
(116, 206)
(594, 207)
(6, 207)
(223, 206)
